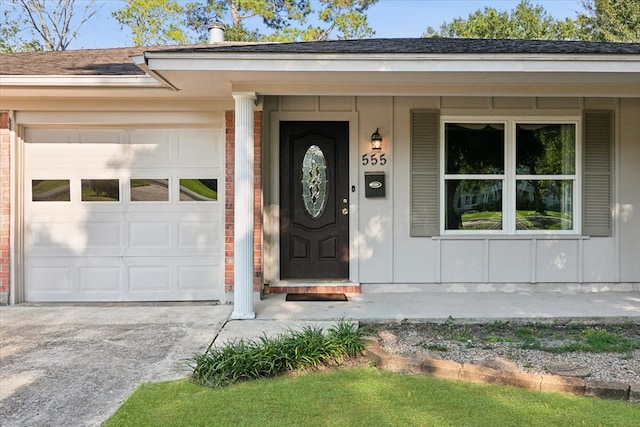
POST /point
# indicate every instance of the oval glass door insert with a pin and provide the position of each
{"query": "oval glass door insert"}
(314, 181)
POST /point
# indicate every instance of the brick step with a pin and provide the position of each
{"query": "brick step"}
(313, 289)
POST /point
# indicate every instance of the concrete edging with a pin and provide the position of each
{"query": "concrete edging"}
(426, 365)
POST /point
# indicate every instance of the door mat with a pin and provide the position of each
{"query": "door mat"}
(316, 297)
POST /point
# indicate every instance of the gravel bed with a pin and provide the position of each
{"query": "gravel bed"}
(503, 347)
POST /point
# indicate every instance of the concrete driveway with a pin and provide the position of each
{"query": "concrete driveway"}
(66, 365)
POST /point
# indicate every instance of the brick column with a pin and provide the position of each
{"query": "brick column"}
(228, 206)
(5, 206)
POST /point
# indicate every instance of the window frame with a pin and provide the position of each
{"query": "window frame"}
(509, 178)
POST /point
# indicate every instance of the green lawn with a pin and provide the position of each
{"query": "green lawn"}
(363, 397)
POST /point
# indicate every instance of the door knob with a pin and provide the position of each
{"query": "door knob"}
(345, 211)
(345, 200)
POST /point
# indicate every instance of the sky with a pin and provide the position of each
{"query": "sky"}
(389, 18)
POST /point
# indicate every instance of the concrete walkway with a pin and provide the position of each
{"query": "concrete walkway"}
(275, 315)
(462, 306)
(73, 365)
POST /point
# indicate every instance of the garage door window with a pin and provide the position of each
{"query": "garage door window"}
(149, 190)
(50, 190)
(198, 189)
(100, 190)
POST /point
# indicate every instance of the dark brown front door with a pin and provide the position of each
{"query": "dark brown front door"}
(314, 200)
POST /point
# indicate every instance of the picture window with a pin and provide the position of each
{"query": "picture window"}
(510, 177)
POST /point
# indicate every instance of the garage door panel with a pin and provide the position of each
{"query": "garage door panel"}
(107, 156)
(197, 278)
(150, 235)
(149, 278)
(103, 234)
(57, 136)
(100, 279)
(197, 235)
(194, 150)
(152, 136)
(50, 279)
(151, 154)
(102, 136)
(74, 239)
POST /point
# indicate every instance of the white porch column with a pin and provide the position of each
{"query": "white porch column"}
(243, 207)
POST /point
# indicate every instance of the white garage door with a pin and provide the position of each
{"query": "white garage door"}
(124, 215)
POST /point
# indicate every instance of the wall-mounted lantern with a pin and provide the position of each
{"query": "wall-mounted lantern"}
(376, 140)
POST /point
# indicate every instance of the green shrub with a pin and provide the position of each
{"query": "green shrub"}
(241, 360)
(347, 337)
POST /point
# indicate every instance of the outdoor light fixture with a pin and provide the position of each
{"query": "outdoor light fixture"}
(376, 140)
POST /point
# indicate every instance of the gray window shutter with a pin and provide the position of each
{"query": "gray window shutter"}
(425, 133)
(597, 173)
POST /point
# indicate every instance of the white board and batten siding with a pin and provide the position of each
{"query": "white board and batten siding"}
(163, 249)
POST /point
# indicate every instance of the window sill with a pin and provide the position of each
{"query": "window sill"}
(511, 237)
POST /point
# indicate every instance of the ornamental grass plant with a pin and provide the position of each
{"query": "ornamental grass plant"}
(241, 360)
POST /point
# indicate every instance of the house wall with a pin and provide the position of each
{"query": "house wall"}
(386, 257)
(628, 198)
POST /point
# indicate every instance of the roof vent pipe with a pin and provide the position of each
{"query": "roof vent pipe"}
(216, 32)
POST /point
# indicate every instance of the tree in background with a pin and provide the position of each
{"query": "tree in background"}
(526, 21)
(10, 38)
(276, 15)
(346, 16)
(154, 22)
(610, 20)
(48, 25)
(602, 20)
(166, 21)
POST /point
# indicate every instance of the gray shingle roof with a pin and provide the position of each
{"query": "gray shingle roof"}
(106, 62)
(111, 62)
(115, 62)
(436, 46)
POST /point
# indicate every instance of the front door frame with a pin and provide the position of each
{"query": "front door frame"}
(272, 205)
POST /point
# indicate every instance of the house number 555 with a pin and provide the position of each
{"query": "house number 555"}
(374, 159)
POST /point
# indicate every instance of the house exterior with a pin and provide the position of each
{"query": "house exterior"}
(222, 171)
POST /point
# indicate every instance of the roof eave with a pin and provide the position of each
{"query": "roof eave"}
(78, 81)
(328, 62)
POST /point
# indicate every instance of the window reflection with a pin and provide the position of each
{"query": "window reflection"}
(544, 205)
(545, 149)
(50, 190)
(100, 190)
(474, 148)
(198, 189)
(149, 190)
(473, 204)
